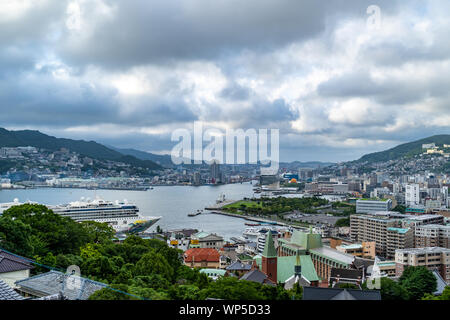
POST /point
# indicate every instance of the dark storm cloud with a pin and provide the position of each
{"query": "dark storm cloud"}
(44, 100)
(245, 64)
(148, 32)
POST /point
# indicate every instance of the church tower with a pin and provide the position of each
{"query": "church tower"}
(269, 258)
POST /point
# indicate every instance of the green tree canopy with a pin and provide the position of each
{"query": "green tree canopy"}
(418, 281)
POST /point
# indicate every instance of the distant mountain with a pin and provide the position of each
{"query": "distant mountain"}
(309, 164)
(405, 150)
(90, 149)
(163, 160)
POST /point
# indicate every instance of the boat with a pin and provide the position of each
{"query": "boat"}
(269, 222)
(5, 206)
(195, 213)
(122, 216)
(220, 199)
(251, 234)
(252, 224)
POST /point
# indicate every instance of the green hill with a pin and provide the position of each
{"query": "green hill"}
(405, 150)
(90, 149)
(164, 160)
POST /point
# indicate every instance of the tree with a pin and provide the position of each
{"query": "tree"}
(296, 293)
(344, 222)
(154, 263)
(400, 208)
(98, 232)
(445, 295)
(109, 294)
(15, 236)
(418, 281)
(391, 290)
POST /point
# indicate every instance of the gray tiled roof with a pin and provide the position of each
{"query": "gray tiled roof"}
(8, 293)
(239, 266)
(256, 276)
(346, 274)
(441, 284)
(315, 293)
(55, 282)
(11, 263)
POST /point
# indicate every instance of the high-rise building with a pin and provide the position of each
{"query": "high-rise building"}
(389, 230)
(197, 178)
(215, 172)
(412, 195)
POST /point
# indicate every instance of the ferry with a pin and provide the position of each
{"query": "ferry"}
(122, 216)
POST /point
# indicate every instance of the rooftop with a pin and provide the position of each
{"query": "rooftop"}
(201, 254)
(54, 282)
(7, 293)
(334, 255)
(424, 250)
(315, 293)
(398, 230)
(351, 246)
(11, 263)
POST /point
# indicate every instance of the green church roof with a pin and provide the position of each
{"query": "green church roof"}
(269, 247)
(286, 267)
(306, 240)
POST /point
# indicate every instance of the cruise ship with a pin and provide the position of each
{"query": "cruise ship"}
(5, 206)
(122, 216)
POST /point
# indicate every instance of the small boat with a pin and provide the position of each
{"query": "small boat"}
(195, 213)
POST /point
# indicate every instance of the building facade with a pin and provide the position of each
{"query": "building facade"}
(433, 258)
(432, 235)
(369, 206)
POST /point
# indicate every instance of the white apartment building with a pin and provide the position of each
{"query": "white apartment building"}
(372, 206)
(412, 194)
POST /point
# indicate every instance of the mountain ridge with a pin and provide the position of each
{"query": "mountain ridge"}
(92, 149)
(404, 150)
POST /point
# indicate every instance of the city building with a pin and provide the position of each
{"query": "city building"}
(214, 274)
(202, 258)
(215, 172)
(54, 283)
(432, 235)
(340, 276)
(389, 230)
(208, 240)
(13, 268)
(280, 269)
(412, 195)
(364, 249)
(238, 268)
(310, 245)
(398, 238)
(433, 258)
(373, 205)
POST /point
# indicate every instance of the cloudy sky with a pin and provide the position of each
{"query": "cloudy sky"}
(128, 73)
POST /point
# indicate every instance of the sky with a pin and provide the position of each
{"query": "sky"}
(129, 73)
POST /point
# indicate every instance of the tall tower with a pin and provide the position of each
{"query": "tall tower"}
(269, 258)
